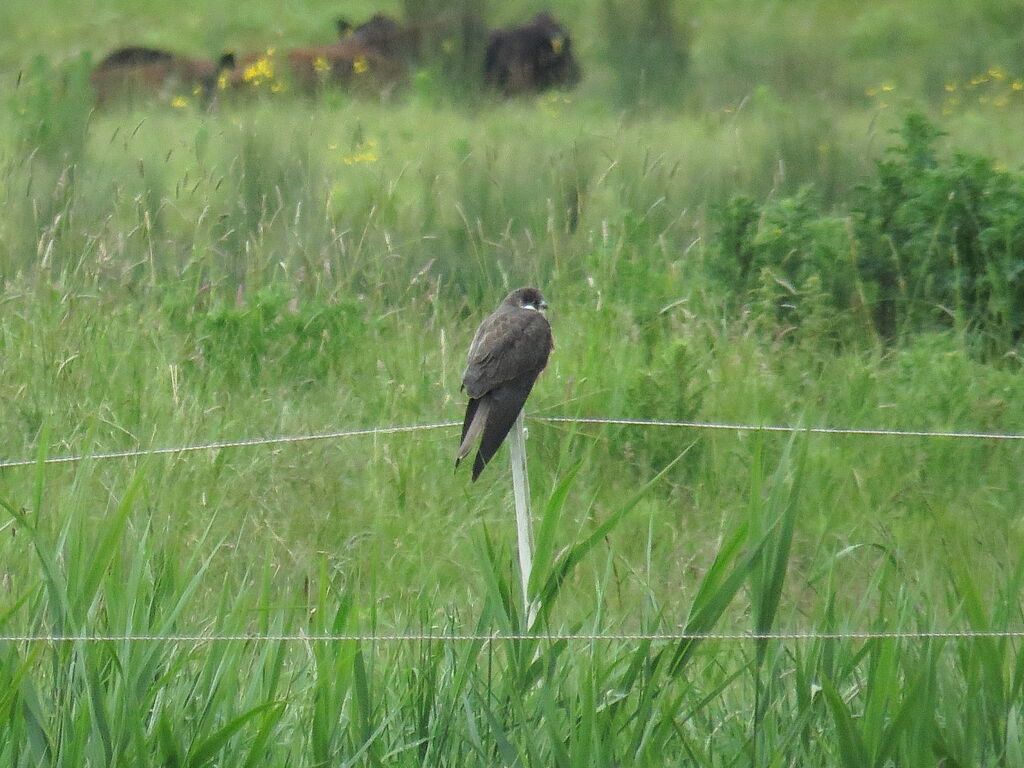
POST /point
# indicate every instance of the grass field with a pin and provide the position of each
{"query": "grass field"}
(816, 218)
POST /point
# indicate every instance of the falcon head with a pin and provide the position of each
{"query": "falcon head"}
(527, 298)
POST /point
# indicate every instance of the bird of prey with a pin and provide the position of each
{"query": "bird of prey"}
(508, 352)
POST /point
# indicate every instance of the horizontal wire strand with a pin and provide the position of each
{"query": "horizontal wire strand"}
(572, 637)
(779, 428)
(498, 636)
(259, 441)
(241, 443)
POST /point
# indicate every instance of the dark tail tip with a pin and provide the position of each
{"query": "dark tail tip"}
(478, 466)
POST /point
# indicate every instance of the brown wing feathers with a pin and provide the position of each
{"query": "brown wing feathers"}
(508, 352)
(503, 406)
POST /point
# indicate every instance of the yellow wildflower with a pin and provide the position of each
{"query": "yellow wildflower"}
(360, 65)
(179, 102)
(979, 79)
(950, 87)
(996, 73)
(320, 64)
(222, 81)
(260, 70)
(366, 152)
(1000, 101)
(1017, 85)
(366, 156)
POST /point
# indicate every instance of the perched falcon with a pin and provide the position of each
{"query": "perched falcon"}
(508, 352)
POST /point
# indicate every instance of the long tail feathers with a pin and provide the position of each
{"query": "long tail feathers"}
(489, 418)
(503, 407)
(473, 425)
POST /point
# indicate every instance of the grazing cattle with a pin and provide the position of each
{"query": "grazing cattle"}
(135, 72)
(348, 63)
(531, 57)
(345, 63)
(428, 39)
(389, 37)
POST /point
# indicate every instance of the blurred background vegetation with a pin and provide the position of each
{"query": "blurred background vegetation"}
(806, 212)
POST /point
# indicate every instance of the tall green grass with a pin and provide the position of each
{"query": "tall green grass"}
(531, 701)
(170, 277)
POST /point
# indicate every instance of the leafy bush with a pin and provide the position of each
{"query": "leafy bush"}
(942, 239)
(783, 255)
(928, 244)
(271, 331)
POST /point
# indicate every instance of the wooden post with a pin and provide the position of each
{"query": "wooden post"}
(524, 522)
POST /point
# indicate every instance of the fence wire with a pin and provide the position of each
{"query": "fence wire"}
(495, 637)
(241, 443)
(391, 430)
(516, 637)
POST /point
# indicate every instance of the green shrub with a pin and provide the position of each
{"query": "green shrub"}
(942, 239)
(271, 331)
(784, 254)
(930, 243)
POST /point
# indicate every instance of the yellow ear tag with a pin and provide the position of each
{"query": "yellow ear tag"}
(557, 43)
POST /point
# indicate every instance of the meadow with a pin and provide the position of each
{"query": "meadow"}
(806, 214)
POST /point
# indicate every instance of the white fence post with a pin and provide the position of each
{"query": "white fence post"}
(524, 522)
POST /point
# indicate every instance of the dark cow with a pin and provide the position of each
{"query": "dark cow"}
(389, 36)
(136, 72)
(531, 57)
(435, 39)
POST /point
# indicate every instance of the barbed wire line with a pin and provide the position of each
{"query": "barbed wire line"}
(778, 428)
(241, 443)
(1010, 634)
(390, 430)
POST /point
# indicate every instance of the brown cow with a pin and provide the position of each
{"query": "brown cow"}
(136, 72)
(531, 57)
(345, 63)
(348, 63)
